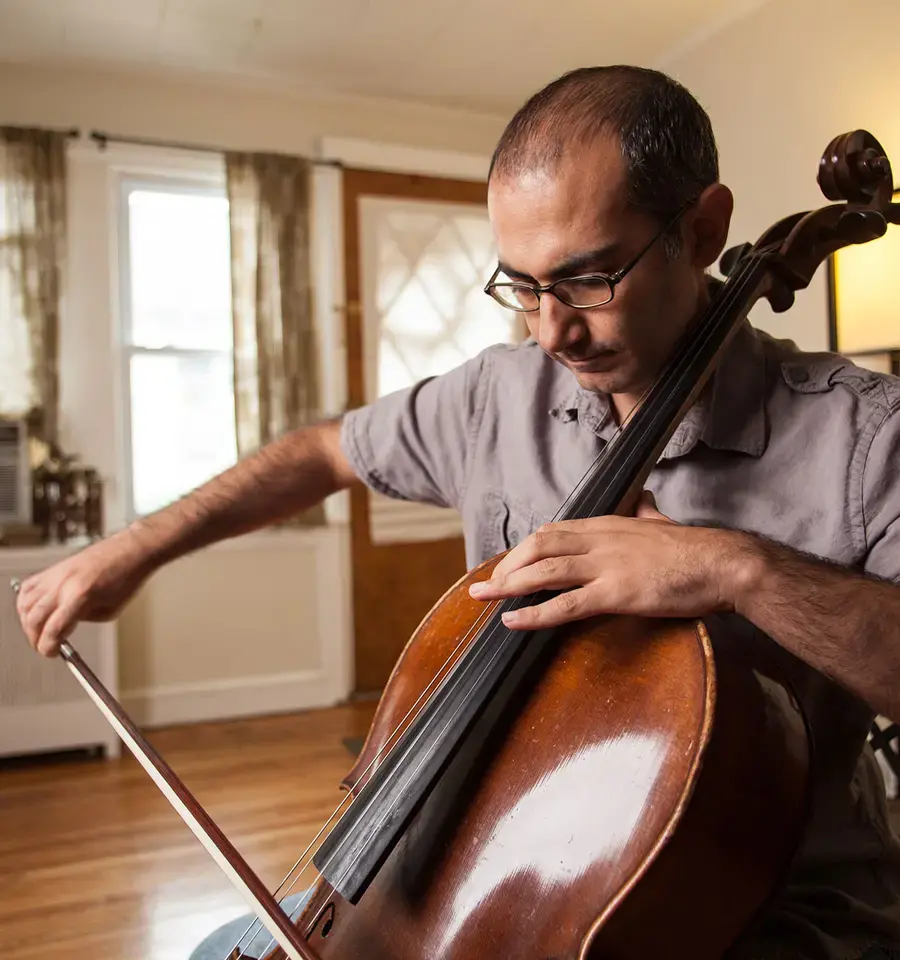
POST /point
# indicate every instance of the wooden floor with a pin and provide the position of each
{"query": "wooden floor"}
(95, 864)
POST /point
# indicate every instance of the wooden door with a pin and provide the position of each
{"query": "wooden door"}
(424, 219)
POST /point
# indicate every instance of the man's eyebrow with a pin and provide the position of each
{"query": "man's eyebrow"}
(572, 266)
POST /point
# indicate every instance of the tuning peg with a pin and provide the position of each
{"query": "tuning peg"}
(780, 297)
(860, 226)
(732, 257)
(872, 165)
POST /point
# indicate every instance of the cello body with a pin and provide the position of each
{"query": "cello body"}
(640, 795)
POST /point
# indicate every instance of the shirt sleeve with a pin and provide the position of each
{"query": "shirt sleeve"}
(414, 444)
(881, 499)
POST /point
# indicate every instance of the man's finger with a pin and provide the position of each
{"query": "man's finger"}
(34, 614)
(572, 605)
(549, 540)
(57, 629)
(549, 573)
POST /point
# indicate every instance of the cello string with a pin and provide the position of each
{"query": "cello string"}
(385, 815)
(680, 367)
(678, 374)
(293, 916)
(348, 800)
(737, 286)
(440, 674)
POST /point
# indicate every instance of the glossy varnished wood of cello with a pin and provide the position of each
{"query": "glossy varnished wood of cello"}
(643, 768)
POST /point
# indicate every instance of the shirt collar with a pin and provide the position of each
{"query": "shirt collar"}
(729, 414)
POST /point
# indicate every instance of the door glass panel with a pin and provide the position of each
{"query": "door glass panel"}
(425, 265)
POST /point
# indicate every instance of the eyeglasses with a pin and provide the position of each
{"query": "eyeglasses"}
(582, 292)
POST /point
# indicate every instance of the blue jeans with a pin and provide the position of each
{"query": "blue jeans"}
(220, 941)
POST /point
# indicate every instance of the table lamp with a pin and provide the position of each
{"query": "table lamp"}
(864, 301)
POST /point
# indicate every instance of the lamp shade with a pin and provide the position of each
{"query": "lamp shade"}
(866, 295)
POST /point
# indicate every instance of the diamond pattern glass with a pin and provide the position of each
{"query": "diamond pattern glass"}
(425, 266)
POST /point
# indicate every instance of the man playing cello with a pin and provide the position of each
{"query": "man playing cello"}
(777, 499)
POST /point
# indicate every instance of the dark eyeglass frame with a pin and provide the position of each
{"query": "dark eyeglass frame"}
(612, 280)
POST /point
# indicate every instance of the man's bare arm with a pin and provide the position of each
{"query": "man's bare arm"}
(285, 477)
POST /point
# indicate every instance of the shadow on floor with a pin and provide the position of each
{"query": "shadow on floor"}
(354, 744)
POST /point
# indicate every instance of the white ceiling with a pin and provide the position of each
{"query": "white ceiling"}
(483, 55)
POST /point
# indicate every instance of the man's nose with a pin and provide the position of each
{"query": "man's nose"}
(561, 326)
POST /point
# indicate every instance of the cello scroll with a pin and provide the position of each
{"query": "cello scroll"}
(853, 168)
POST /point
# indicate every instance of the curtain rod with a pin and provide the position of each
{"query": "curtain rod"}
(102, 139)
(70, 132)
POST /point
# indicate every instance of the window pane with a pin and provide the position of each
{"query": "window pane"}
(425, 265)
(182, 424)
(179, 269)
(16, 361)
(17, 208)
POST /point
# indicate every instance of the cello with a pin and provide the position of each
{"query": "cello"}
(616, 788)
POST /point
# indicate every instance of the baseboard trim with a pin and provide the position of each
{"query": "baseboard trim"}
(227, 699)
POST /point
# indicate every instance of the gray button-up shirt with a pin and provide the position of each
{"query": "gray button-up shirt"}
(802, 448)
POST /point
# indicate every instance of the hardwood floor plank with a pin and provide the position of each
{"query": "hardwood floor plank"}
(95, 864)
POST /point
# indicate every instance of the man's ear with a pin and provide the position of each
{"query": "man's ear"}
(707, 228)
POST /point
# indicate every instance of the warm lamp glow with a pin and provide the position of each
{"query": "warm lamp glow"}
(867, 294)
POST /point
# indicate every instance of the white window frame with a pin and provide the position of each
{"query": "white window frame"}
(204, 185)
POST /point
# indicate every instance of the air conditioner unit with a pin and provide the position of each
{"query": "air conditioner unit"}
(15, 473)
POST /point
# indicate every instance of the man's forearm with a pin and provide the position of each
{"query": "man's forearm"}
(841, 622)
(285, 477)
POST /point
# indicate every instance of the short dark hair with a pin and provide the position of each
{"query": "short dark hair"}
(666, 137)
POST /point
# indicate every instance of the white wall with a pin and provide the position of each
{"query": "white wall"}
(779, 85)
(197, 112)
(262, 623)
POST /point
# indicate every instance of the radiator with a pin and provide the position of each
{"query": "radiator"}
(42, 706)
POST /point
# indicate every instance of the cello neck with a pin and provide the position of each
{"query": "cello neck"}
(615, 480)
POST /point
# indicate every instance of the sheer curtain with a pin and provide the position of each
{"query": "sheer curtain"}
(32, 252)
(275, 351)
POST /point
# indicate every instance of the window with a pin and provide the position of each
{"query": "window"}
(425, 265)
(16, 361)
(177, 338)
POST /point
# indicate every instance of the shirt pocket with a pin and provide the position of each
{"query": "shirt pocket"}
(505, 521)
